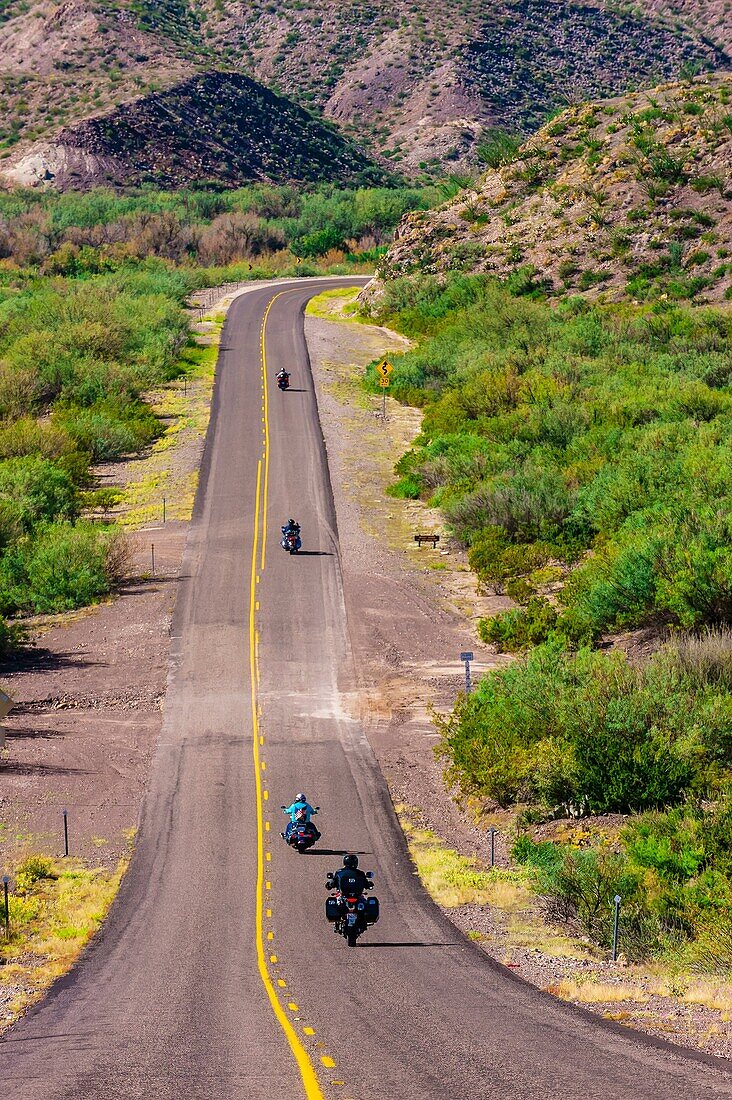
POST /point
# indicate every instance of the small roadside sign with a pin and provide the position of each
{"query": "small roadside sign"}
(6, 704)
(383, 381)
(466, 656)
(384, 368)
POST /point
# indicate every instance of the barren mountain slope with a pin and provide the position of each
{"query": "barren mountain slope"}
(418, 83)
(423, 82)
(216, 127)
(632, 195)
(61, 62)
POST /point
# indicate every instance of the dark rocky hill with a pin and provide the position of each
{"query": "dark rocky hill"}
(218, 127)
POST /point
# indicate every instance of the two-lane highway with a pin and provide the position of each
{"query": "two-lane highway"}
(216, 974)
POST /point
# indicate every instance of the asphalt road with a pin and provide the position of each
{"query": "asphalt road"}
(216, 974)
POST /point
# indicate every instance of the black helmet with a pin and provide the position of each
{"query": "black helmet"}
(292, 522)
(350, 861)
(300, 797)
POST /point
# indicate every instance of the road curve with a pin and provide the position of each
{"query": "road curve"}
(216, 974)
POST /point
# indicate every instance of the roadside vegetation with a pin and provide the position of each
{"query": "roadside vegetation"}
(56, 906)
(75, 234)
(581, 454)
(92, 295)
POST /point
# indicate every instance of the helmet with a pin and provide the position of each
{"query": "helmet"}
(292, 522)
(300, 797)
(350, 861)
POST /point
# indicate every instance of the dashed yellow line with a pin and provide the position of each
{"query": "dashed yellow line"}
(302, 1058)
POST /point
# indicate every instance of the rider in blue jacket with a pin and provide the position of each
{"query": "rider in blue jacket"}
(299, 806)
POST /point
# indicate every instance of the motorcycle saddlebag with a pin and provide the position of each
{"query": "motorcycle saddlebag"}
(372, 910)
(332, 909)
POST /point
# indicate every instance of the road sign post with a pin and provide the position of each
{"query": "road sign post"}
(493, 832)
(66, 832)
(616, 926)
(384, 369)
(6, 914)
(467, 658)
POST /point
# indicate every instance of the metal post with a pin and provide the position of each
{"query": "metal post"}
(163, 509)
(383, 406)
(616, 923)
(152, 557)
(467, 658)
(185, 386)
(66, 832)
(6, 880)
(493, 846)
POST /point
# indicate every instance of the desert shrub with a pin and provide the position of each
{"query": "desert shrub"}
(498, 147)
(61, 567)
(582, 428)
(109, 428)
(34, 490)
(520, 628)
(33, 869)
(590, 728)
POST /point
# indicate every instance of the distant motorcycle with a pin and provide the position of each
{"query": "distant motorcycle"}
(283, 380)
(351, 915)
(301, 834)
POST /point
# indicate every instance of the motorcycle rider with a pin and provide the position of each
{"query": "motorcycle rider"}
(283, 375)
(349, 880)
(290, 528)
(299, 807)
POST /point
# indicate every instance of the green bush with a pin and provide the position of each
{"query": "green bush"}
(589, 728)
(109, 429)
(601, 428)
(32, 491)
(520, 628)
(32, 870)
(61, 567)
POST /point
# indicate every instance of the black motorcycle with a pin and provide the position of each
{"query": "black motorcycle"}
(351, 915)
(283, 380)
(301, 834)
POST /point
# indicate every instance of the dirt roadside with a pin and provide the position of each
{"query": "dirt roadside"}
(411, 612)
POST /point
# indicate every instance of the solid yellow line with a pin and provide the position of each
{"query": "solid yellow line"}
(305, 1066)
(265, 419)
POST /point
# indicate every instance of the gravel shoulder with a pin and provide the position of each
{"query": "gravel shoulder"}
(411, 612)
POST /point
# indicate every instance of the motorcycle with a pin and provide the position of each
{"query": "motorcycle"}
(351, 915)
(290, 541)
(283, 381)
(301, 834)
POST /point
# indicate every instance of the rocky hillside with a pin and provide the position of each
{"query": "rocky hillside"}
(628, 196)
(217, 128)
(420, 87)
(424, 86)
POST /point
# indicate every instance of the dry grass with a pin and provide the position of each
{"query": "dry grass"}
(711, 994)
(452, 879)
(592, 992)
(52, 918)
(336, 305)
(532, 934)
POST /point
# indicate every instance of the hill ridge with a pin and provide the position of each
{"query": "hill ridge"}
(216, 127)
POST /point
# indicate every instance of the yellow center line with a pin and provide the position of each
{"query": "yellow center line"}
(307, 1070)
(265, 418)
